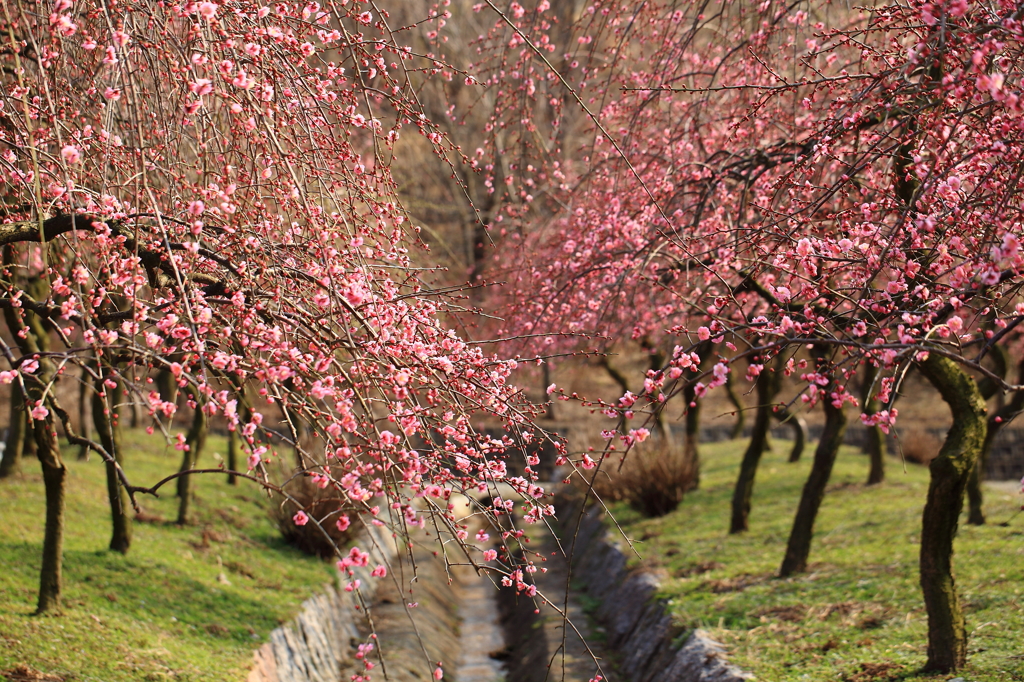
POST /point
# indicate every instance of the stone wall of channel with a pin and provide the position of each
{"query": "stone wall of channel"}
(637, 623)
(639, 634)
(320, 642)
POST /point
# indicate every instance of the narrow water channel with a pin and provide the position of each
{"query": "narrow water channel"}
(482, 633)
(481, 640)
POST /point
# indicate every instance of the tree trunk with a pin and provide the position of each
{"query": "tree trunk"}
(137, 415)
(767, 388)
(16, 433)
(1004, 412)
(233, 449)
(55, 482)
(234, 437)
(947, 633)
(549, 411)
(194, 442)
(691, 437)
(875, 444)
(32, 337)
(105, 414)
(799, 426)
(799, 546)
(741, 413)
(975, 499)
(167, 387)
(83, 412)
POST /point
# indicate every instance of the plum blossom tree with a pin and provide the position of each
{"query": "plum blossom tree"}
(790, 175)
(204, 191)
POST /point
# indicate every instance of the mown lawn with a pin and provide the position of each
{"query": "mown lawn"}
(857, 615)
(187, 603)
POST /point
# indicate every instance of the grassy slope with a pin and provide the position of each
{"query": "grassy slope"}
(165, 610)
(858, 612)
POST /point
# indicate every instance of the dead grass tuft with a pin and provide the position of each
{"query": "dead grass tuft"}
(321, 504)
(652, 479)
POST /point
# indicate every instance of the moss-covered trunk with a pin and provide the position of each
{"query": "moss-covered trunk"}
(105, 414)
(799, 546)
(875, 441)
(767, 388)
(975, 498)
(947, 633)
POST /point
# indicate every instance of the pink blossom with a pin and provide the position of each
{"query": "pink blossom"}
(300, 518)
(71, 154)
(39, 412)
(208, 10)
(201, 86)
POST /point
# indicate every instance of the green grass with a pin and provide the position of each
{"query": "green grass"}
(857, 614)
(187, 603)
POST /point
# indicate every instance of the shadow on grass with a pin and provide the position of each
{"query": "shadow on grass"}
(139, 589)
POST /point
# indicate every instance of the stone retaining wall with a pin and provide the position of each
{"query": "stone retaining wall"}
(636, 620)
(319, 644)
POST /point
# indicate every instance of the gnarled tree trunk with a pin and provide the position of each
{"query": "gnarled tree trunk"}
(947, 633)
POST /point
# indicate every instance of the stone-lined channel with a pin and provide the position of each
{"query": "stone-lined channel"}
(483, 634)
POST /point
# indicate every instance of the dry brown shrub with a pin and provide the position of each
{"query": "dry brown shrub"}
(320, 504)
(919, 446)
(652, 479)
